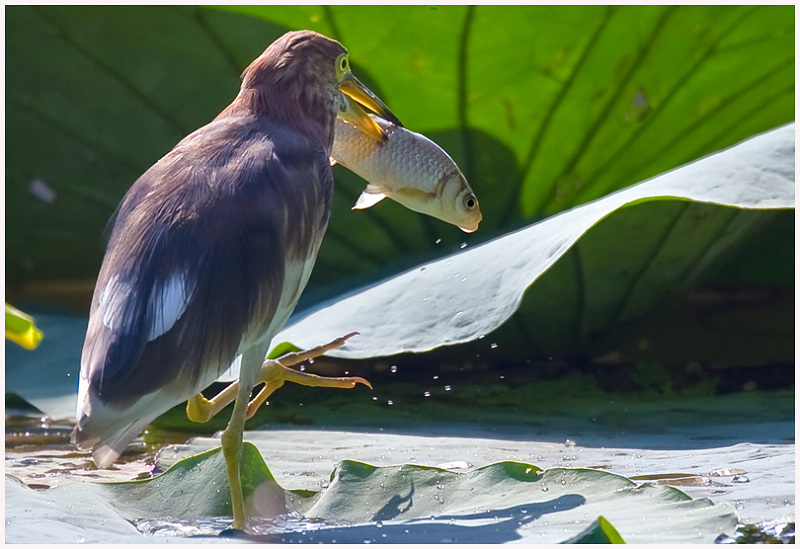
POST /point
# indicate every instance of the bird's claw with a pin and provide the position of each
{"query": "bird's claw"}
(273, 374)
(292, 359)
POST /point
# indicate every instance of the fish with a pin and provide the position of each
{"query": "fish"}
(405, 166)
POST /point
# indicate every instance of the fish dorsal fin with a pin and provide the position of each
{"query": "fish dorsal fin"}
(367, 200)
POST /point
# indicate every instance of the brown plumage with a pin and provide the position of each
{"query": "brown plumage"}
(211, 248)
(293, 83)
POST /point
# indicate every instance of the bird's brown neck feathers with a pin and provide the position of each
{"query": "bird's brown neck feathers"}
(293, 84)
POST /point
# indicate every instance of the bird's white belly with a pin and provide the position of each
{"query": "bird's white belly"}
(296, 277)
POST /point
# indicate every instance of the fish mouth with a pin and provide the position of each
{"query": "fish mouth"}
(470, 226)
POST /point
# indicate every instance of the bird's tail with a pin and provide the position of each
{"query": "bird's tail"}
(107, 431)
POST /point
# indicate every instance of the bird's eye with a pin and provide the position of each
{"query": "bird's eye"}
(470, 202)
(342, 63)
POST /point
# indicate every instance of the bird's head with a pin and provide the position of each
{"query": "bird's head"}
(300, 78)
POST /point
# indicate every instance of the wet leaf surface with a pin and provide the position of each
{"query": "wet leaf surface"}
(500, 502)
(616, 437)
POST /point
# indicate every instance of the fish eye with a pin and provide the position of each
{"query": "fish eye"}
(470, 202)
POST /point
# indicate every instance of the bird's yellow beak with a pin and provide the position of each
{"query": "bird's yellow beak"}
(352, 87)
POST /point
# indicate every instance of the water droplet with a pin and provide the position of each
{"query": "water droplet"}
(523, 511)
(435, 377)
(426, 394)
(438, 241)
(455, 275)
(440, 486)
(464, 279)
(563, 482)
(459, 313)
(393, 369)
(302, 367)
(570, 443)
(463, 245)
(42, 191)
(424, 299)
(423, 269)
(493, 346)
(447, 387)
(741, 479)
(545, 488)
(389, 402)
(379, 524)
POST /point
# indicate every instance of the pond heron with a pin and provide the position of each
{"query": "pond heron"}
(210, 250)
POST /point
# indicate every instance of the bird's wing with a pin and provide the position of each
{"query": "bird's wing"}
(197, 263)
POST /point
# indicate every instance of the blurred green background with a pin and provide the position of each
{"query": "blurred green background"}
(543, 107)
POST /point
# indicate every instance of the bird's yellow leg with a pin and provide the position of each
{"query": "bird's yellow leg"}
(231, 439)
(274, 373)
(291, 359)
(199, 409)
(231, 442)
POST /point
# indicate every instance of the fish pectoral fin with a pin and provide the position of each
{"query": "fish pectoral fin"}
(367, 200)
(417, 195)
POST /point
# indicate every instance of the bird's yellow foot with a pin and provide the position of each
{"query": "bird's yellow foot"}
(273, 374)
